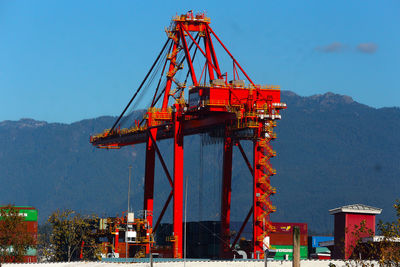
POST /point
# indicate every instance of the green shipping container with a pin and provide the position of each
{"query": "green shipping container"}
(281, 251)
(29, 213)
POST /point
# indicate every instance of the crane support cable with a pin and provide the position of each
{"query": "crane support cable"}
(197, 38)
(161, 76)
(229, 53)
(181, 60)
(145, 87)
(201, 50)
(140, 87)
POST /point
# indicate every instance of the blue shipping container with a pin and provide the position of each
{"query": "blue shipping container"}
(315, 240)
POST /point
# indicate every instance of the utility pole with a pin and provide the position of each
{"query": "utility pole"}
(296, 246)
(266, 258)
(126, 230)
(129, 185)
(151, 254)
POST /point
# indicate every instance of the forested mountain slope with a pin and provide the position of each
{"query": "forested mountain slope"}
(331, 151)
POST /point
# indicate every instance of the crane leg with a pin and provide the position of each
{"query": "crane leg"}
(226, 198)
(149, 180)
(178, 187)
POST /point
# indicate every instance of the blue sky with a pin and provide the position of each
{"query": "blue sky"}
(63, 61)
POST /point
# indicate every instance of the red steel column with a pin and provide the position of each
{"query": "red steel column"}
(210, 47)
(208, 55)
(116, 241)
(226, 198)
(149, 174)
(188, 58)
(178, 185)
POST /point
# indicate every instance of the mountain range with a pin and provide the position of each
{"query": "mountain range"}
(331, 151)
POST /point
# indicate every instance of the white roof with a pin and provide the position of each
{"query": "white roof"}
(326, 243)
(356, 208)
(379, 238)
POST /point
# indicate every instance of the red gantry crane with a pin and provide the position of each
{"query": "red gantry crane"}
(237, 109)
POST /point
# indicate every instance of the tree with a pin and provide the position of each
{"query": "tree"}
(361, 253)
(70, 230)
(14, 236)
(44, 249)
(390, 248)
(386, 248)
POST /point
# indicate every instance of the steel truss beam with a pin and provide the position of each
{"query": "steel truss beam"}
(160, 157)
(242, 227)
(245, 157)
(163, 211)
(201, 50)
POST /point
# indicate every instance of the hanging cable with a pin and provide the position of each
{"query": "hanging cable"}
(181, 59)
(140, 87)
(197, 38)
(161, 76)
(132, 113)
(132, 109)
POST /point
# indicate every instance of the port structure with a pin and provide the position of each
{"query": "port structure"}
(232, 108)
(135, 231)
